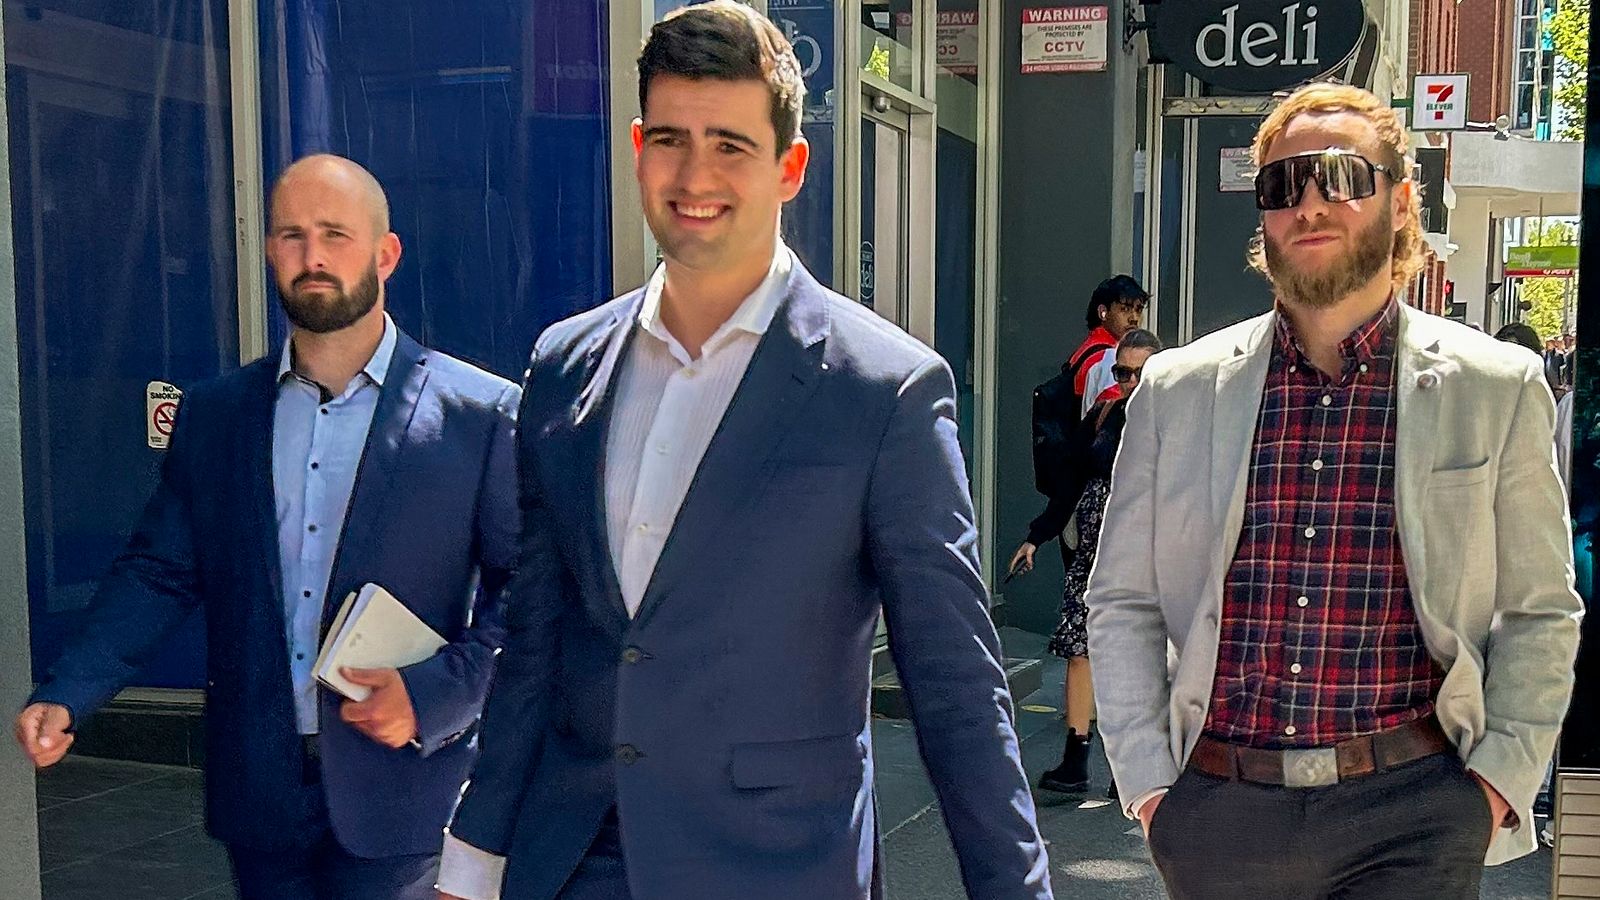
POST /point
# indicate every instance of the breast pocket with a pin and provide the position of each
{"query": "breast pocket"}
(1458, 530)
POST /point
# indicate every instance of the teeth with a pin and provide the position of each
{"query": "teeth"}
(699, 212)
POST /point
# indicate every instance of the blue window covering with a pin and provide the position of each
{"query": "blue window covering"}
(486, 121)
(123, 214)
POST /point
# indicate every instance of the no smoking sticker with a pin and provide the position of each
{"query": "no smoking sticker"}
(160, 412)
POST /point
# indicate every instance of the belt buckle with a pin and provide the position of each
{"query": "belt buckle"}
(1318, 767)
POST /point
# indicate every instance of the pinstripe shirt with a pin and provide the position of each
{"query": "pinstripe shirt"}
(667, 407)
(1319, 638)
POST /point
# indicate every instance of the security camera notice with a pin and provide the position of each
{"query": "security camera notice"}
(1065, 39)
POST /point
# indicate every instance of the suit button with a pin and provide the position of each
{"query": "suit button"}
(627, 754)
(632, 655)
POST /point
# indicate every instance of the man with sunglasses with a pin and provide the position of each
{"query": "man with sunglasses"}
(1324, 510)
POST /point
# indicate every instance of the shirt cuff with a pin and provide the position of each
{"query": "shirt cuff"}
(1132, 810)
(469, 873)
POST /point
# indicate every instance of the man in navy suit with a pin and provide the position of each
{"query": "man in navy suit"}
(748, 469)
(356, 456)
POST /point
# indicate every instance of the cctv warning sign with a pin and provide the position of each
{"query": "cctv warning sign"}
(1065, 39)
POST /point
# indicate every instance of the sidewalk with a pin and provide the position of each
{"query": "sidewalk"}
(131, 831)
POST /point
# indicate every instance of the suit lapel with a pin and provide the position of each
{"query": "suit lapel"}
(782, 374)
(1421, 378)
(1241, 378)
(591, 422)
(391, 421)
(255, 434)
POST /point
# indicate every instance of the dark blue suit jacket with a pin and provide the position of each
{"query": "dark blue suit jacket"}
(432, 518)
(729, 721)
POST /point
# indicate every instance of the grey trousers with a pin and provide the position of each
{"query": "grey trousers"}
(1419, 830)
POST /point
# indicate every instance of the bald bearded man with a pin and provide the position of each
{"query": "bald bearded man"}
(353, 456)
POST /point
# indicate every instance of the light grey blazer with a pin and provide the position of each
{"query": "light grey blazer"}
(1483, 529)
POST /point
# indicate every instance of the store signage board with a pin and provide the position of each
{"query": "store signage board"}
(1555, 260)
(1257, 46)
(1439, 103)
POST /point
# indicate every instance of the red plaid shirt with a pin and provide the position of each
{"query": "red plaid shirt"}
(1319, 639)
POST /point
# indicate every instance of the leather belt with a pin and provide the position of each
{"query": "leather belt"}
(1321, 766)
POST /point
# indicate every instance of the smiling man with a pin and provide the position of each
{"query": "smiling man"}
(748, 469)
(1377, 489)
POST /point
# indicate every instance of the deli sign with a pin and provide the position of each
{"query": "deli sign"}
(1256, 45)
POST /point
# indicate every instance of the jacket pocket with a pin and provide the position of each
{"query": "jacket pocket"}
(787, 763)
(1459, 477)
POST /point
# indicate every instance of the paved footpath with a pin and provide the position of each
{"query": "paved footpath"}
(131, 831)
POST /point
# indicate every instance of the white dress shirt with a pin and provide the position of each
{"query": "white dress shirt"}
(665, 410)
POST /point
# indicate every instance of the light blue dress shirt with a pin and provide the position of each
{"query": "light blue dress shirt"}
(317, 443)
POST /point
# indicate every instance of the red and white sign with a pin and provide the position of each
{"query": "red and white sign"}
(1439, 103)
(1065, 39)
(160, 412)
(958, 42)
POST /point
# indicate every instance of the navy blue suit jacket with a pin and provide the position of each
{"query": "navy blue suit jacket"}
(432, 517)
(729, 721)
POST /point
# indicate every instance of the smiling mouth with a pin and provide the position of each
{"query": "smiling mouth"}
(699, 212)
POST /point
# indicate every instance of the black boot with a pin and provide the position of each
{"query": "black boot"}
(1072, 776)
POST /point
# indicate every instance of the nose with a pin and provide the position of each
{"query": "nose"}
(1312, 202)
(696, 174)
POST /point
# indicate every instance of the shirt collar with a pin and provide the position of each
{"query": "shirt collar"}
(376, 368)
(754, 315)
(1373, 340)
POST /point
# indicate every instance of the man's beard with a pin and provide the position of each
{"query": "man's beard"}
(331, 311)
(1374, 247)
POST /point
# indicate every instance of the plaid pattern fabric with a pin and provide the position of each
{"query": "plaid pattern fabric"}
(1319, 639)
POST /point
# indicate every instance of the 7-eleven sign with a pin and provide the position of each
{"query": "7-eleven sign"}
(1439, 103)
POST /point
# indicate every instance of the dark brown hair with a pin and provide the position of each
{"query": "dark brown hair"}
(727, 41)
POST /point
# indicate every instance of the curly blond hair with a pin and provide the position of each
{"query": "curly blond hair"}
(1409, 254)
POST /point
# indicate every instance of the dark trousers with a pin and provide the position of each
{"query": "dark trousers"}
(1418, 830)
(601, 874)
(320, 869)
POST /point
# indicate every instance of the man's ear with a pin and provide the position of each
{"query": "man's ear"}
(793, 163)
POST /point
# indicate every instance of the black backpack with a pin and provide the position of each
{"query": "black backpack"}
(1057, 410)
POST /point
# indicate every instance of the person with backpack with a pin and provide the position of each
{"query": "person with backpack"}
(1086, 483)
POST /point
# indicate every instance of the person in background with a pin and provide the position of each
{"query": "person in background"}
(354, 456)
(1521, 334)
(1087, 482)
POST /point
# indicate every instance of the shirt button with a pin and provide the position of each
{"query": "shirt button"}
(1327, 400)
(1303, 602)
(1289, 731)
(300, 656)
(662, 449)
(1316, 465)
(311, 528)
(1363, 368)
(689, 373)
(643, 528)
(1293, 369)
(323, 410)
(306, 594)
(315, 465)
(1295, 668)
(1311, 532)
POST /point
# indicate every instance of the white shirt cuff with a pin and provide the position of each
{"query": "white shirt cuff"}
(469, 873)
(1132, 810)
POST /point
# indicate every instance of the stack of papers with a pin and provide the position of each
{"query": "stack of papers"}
(373, 631)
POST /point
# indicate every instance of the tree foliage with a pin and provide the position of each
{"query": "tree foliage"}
(1569, 32)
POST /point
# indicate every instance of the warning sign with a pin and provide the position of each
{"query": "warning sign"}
(160, 411)
(1065, 39)
(958, 42)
